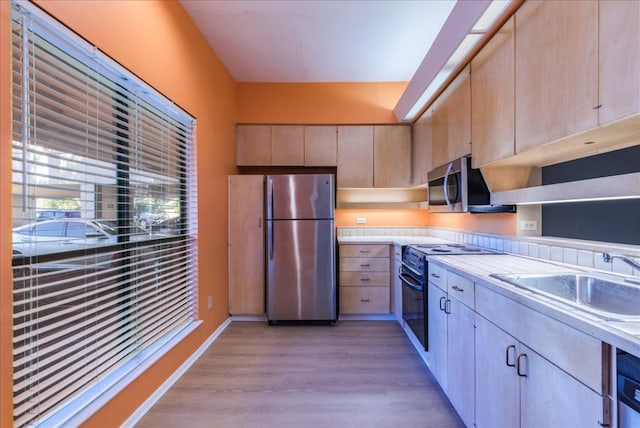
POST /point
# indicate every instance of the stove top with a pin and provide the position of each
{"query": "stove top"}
(450, 249)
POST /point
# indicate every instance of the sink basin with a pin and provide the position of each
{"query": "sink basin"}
(606, 297)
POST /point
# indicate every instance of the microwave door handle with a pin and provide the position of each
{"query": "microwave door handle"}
(446, 186)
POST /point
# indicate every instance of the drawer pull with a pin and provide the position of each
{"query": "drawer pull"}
(364, 251)
(365, 300)
(364, 279)
(435, 275)
(364, 265)
(455, 287)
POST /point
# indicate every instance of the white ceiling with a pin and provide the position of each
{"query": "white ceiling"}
(320, 40)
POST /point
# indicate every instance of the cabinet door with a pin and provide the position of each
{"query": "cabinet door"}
(452, 121)
(392, 156)
(246, 242)
(437, 329)
(459, 116)
(497, 383)
(493, 99)
(556, 62)
(461, 360)
(287, 145)
(619, 57)
(550, 397)
(422, 143)
(320, 146)
(355, 156)
(253, 145)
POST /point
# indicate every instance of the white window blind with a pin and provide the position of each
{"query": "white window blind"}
(104, 216)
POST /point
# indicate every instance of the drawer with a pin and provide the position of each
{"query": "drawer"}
(364, 300)
(358, 250)
(461, 288)
(364, 265)
(364, 278)
(438, 275)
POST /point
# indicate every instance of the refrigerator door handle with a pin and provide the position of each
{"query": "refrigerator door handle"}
(269, 198)
(270, 239)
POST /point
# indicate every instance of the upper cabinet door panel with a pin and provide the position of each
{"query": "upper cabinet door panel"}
(392, 156)
(355, 156)
(422, 144)
(287, 145)
(452, 121)
(619, 57)
(253, 145)
(320, 146)
(459, 116)
(556, 70)
(493, 99)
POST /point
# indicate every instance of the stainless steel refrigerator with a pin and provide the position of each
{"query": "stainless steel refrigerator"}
(300, 253)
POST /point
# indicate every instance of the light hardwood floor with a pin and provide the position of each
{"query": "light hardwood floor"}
(353, 374)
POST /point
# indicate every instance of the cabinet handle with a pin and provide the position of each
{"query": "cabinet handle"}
(521, 373)
(364, 264)
(597, 107)
(507, 355)
(443, 305)
(447, 306)
(364, 251)
(364, 279)
(435, 275)
(365, 300)
(455, 287)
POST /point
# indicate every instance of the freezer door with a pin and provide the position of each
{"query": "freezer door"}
(301, 278)
(300, 196)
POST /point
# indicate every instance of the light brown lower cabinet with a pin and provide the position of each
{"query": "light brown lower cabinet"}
(364, 279)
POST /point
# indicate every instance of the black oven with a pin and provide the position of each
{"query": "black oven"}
(414, 293)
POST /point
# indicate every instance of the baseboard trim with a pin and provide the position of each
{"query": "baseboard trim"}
(367, 317)
(158, 393)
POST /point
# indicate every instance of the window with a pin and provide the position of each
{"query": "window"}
(104, 216)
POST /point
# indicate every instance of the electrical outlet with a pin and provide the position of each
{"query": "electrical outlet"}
(210, 302)
(361, 220)
(529, 225)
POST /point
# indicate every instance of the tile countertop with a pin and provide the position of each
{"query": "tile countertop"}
(623, 335)
(391, 239)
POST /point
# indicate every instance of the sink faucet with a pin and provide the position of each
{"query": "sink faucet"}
(608, 258)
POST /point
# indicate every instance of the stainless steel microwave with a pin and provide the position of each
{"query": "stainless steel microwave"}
(458, 188)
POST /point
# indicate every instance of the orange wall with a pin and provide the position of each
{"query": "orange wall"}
(157, 41)
(503, 223)
(381, 218)
(318, 103)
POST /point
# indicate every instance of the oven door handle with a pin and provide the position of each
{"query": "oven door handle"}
(410, 282)
(410, 269)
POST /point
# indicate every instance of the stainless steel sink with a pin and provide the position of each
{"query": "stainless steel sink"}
(601, 295)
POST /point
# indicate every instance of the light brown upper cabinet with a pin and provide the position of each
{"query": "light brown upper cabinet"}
(320, 145)
(422, 143)
(392, 156)
(493, 99)
(619, 57)
(452, 121)
(355, 156)
(287, 145)
(556, 61)
(253, 145)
